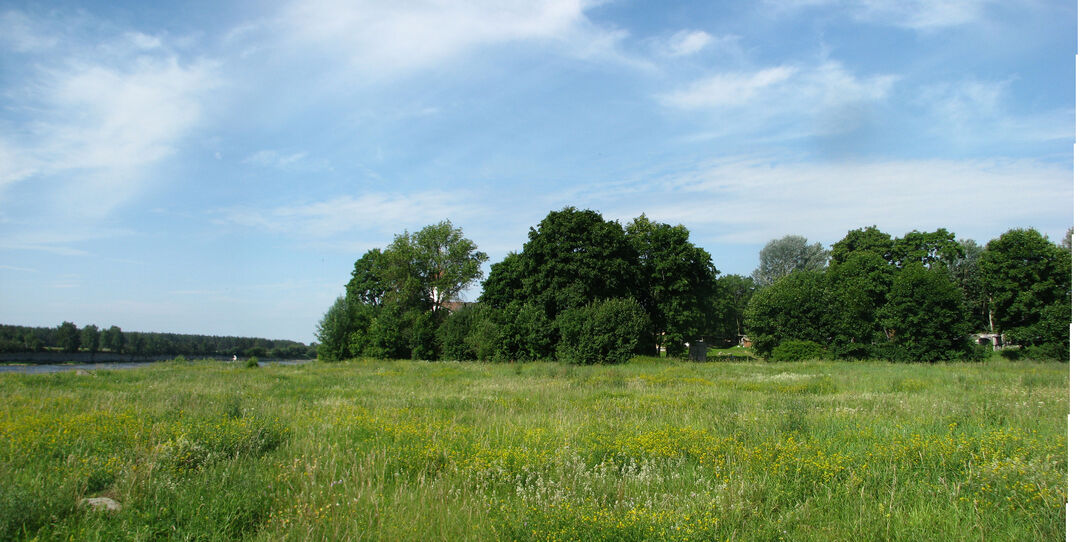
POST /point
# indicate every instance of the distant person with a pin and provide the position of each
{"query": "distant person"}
(234, 357)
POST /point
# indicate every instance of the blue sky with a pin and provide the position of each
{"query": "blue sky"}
(207, 167)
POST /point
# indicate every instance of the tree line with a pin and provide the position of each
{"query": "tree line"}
(67, 337)
(588, 290)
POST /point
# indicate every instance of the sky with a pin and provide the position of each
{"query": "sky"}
(217, 167)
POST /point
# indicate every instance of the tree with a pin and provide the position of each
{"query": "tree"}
(67, 336)
(576, 257)
(334, 330)
(867, 239)
(447, 262)
(965, 273)
(926, 248)
(505, 283)
(1029, 282)
(925, 317)
(368, 286)
(91, 338)
(733, 293)
(797, 306)
(395, 300)
(787, 254)
(604, 332)
(678, 285)
(113, 339)
(858, 287)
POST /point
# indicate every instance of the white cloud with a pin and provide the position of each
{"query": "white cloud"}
(102, 117)
(978, 110)
(389, 37)
(288, 161)
(794, 101)
(686, 42)
(380, 212)
(926, 15)
(748, 200)
(24, 34)
(728, 89)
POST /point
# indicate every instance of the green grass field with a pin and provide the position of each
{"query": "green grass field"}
(542, 451)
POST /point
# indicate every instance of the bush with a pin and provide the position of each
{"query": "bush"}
(252, 363)
(1043, 352)
(797, 350)
(1011, 354)
(604, 332)
(454, 332)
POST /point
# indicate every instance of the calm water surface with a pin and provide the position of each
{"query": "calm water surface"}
(112, 365)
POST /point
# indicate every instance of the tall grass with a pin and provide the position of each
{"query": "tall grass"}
(653, 450)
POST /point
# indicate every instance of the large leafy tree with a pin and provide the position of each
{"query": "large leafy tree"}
(798, 306)
(733, 293)
(505, 283)
(113, 339)
(1029, 283)
(859, 285)
(67, 336)
(925, 316)
(395, 300)
(574, 257)
(790, 253)
(678, 285)
(868, 239)
(90, 338)
(938, 247)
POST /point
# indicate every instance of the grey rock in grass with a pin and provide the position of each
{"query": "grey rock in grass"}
(101, 504)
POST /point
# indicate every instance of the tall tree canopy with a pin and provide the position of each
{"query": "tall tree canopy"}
(1029, 282)
(787, 254)
(733, 293)
(395, 300)
(867, 239)
(574, 257)
(678, 284)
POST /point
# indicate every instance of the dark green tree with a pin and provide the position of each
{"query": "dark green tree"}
(858, 287)
(787, 254)
(573, 258)
(90, 338)
(927, 248)
(868, 239)
(505, 283)
(678, 285)
(605, 332)
(966, 275)
(334, 330)
(368, 286)
(67, 337)
(113, 339)
(798, 306)
(925, 316)
(733, 293)
(1029, 282)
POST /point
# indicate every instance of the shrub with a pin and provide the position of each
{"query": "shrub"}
(1049, 351)
(604, 332)
(797, 350)
(1011, 354)
(252, 363)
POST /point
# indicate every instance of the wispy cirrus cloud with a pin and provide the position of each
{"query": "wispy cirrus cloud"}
(754, 199)
(791, 100)
(379, 37)
(923, 15)
(688, 42)
(379, 212)
(94, 118)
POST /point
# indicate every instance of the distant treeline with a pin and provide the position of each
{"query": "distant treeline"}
(67, 337)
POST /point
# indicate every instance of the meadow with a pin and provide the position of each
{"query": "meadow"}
(651, 450)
